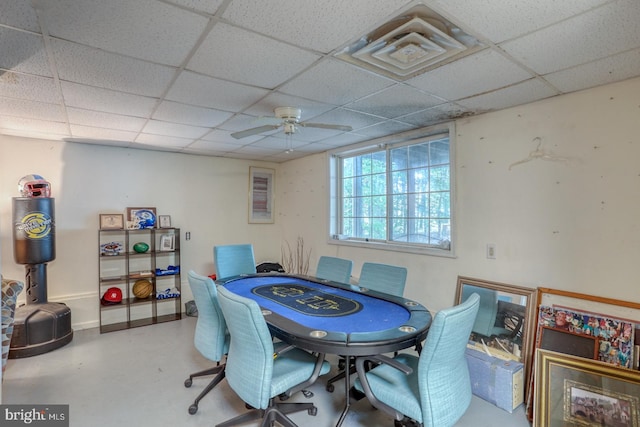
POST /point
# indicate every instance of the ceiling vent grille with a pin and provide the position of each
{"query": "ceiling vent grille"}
(410, 44)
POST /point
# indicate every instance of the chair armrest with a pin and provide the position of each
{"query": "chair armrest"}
(381, 358)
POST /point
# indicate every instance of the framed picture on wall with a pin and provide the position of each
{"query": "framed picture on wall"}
(261, 188)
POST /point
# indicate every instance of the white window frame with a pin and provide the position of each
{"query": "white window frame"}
(405, 138)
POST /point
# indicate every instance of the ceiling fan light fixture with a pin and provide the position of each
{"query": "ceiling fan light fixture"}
(290, 117)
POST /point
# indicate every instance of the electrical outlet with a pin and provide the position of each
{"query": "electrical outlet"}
(187, 235)
(491, 251)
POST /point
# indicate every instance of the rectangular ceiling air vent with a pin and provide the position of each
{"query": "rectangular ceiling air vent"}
(410, 44)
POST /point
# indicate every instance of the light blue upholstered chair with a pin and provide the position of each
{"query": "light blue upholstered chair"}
(334, 269)
(211, 337)
(433, 389)
(233, 260)
(389, 279)
(257, 371)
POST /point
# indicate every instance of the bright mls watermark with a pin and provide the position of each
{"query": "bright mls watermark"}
(34, 415)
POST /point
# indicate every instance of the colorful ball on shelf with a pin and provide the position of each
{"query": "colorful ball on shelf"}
(142, 288)
(141, 247)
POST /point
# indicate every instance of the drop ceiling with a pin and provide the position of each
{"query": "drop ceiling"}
(182, 75)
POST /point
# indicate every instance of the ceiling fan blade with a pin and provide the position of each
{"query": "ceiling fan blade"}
(326, 126)
(254, 131)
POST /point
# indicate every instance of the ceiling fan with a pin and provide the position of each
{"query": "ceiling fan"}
(290, 117)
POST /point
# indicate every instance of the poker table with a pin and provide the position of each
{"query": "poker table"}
(329, 317)
(336, 318)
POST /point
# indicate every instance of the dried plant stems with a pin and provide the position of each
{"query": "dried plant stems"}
(296, 261)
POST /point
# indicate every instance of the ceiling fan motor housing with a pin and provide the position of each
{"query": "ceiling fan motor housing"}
(288, 114)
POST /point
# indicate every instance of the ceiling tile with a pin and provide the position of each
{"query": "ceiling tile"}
(33, 133)
(395, 101)
(104, 120)
(196, 89)
(335, 82)
(38, 126)
(98, 134)
(265, 107)
(133, 28)
(347, 138)
(163, 141)
(522, 93)
(190, 114)
(202, 145)
(93, 98)
(433, 115)
(24, 86)
(251, 58)
(388, 127)
(20, 51)
(207, 6)
(607, 70)
(500, 20)
(490, 70)
(321, 26)
(157, 127)
(81, 64)
(19, 14)
(341, 116)
(31, 109)
(610, 29)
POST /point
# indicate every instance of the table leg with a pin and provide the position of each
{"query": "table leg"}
(347, 387)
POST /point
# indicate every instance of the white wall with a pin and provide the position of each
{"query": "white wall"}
(204, 195)
(569, 223)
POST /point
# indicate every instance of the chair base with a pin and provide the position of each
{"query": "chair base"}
(275, 412)
(219, 370)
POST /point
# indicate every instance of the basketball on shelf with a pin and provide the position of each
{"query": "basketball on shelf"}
(142, 288)
(141, 247)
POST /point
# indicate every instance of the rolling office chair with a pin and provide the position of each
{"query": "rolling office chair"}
(211, 337)
(259, 372)
(233, 260)
(334, 269)
(433, 389)
(389, 279)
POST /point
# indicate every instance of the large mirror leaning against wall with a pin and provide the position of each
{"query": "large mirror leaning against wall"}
(505, 322)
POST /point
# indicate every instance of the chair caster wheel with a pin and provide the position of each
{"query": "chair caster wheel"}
(188, 382)
(284, 396)
(330, 388)
(193, 409)
(246, 405)
(342, 364)
(308, 394)
(312, 411)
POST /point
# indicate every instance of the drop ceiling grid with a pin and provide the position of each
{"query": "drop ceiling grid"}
(187, 73)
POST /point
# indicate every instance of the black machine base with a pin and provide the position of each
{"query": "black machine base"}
(40, 328)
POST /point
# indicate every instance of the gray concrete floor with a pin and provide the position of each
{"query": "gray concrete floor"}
(136, 378)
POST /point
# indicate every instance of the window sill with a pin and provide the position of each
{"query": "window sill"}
(394, 247)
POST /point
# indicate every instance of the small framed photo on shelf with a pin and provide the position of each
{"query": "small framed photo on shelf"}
(164, 221)
(111, 221)
(140, 218)
(167, 242)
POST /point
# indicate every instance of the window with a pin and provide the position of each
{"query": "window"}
(395, 192)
